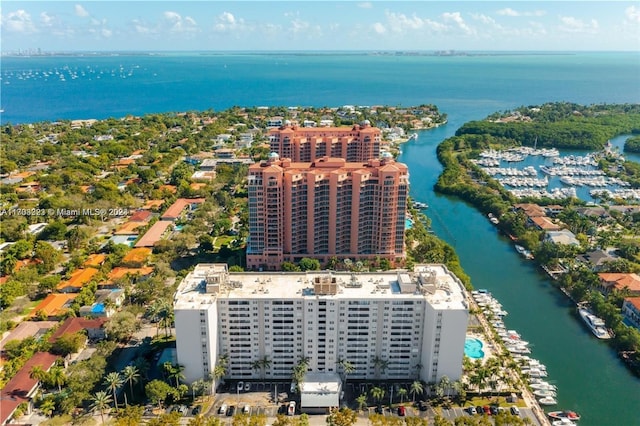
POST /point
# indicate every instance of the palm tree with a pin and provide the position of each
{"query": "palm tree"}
(174, 371)
(57, 377)
(48, 406)
(377, 393)
(380, 365)
(130, 374)
(265, 363)
(445, 384)
(362, 401)
(100, 402)
(113, 381)
(37, 373)
(416, 388)
(347, 368)
(402, 392)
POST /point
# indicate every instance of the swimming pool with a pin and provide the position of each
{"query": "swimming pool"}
(473, 348)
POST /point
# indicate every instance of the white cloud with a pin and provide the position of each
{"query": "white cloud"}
(401, 23)
(18, 22)
(456, 18)
(177, 24)
(570, 24)
(365, 5)
(632, 14)
(511, 12)
(81, 11)
(483, 18)
(47, 20)
(379, 28)
(226, 21)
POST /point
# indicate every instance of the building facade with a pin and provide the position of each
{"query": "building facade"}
(305, 144)
(326, 209)
(388, 325)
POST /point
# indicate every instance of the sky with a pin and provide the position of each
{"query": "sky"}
(62, 26)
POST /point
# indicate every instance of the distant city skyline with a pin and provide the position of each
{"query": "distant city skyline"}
(320, 25)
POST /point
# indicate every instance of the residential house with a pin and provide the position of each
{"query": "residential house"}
(79, 278)
(596, 259)
(631, 311)
(106, 304)
(563, 236)
(54, 306)
(543, 223)
(610, 281)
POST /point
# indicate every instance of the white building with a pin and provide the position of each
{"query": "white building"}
(389, 325)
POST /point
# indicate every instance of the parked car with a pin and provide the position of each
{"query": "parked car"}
(379, 410)
(196, 410)
(515, 410)
(223, 409)
(493, 410)
(247, 386)
(291, 410)
(479, 409)
(487, 410)
(422, 406)
(472, 410)
(402, 411)
(246, 409)
(231, 411)
(240, 385)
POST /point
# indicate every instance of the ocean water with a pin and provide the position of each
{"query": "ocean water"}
(75, 87)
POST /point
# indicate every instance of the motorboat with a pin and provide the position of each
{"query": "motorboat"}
(535, 372)
(542, 385)
(547, 400)
(564, 414)
(543, 393)
(562, 422)
(596, 324)
(524, 252)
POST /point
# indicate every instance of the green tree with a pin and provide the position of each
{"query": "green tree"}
(402, 393)
(100, 402)
(131, 374)
(308, 264)
(342, 417)
(173, 371)
(122, 325)
(47, 407)
(362, 401)
(416, 389)
(158, 391)
(57, 377)
(113, 381)
(377, 393)
(130, 416)
(68, 343)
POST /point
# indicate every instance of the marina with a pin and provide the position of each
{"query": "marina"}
(563, 176)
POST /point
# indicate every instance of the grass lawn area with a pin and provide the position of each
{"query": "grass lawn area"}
(501, 401)
(222, 240)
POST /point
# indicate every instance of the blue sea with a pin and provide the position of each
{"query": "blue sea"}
(100, 86)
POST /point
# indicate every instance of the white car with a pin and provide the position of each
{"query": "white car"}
(223, 409)
(240, 386)
(292, 408)
(246, 409)
(247, 386)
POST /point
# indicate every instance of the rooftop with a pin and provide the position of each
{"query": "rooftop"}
(206, 282)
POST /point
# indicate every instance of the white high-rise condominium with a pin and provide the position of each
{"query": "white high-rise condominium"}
(388, 325)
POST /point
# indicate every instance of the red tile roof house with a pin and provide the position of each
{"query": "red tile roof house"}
(176, 209)
(21, 388)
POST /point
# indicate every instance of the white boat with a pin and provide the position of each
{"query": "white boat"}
(413, 136)
(524, 252)
(542, 386)
(535, 372)
(543, 393)
(547, 400)
(570, 415)
(562, 422)
(493, 219)
(597, 325)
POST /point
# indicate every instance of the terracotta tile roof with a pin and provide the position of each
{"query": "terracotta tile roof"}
(141, 215)
(152, 204)
(120, 272)
(137, 255)
(153, 234)
(20, 387)
(175, 210)
(531, 210)
(130, 228)
(95, 260)
(73, 325)
(635, 301)
(54, 304)
(197, 185)
(28, 329)
(171, 188)
(78, 279)
(545, 224)
(619, 281)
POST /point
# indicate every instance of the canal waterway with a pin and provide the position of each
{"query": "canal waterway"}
(590, 378)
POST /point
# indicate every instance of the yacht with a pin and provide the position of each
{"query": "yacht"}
(596, 324)
(543, 393)
(542, 385)
(524, 252)
(571, 415)
(562, 422)
(547, 400)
